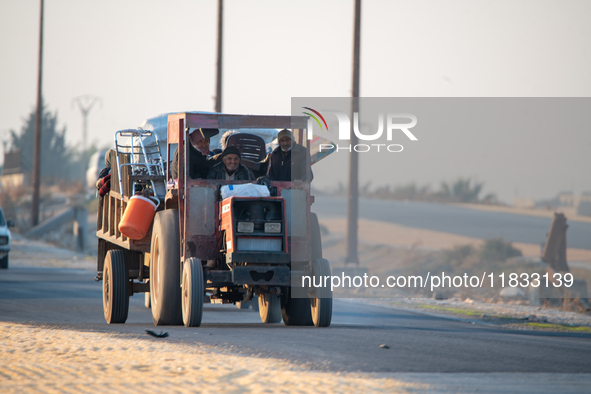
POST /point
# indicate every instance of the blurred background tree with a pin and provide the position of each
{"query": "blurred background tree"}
(462, 190)
(58, 160)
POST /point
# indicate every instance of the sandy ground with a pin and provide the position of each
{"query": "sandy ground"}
(381, 233)
(46, 359)
(51, 360)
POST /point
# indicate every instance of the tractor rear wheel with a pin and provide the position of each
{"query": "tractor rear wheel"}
(269, 308)
(192, 292)
(115, 287)
(165, 269)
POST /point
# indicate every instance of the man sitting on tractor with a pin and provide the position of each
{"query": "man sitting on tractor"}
(289, 161)
(230, 167)
(201, 159)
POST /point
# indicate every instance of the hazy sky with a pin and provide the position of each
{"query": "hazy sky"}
(147, 57)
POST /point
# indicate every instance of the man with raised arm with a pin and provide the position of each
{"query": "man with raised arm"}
(201, 159)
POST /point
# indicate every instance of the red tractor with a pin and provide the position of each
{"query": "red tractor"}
(202, 246)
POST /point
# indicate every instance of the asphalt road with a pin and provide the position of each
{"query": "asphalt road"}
(70, 299)
(457, 220)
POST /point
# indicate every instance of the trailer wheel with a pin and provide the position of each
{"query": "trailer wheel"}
(295, 311)
(321, 305)
(115, 287)
(165, 281)
(192, 293)
(4, 262)
(269, 308)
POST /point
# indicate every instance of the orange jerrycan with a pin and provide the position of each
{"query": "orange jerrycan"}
(137, 217)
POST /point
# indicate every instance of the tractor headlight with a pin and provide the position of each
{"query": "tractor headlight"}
(273, 228)
(245, 227)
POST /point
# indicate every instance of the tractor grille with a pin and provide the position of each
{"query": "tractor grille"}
(262, 244)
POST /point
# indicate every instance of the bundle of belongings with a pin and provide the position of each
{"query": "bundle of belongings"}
(103, 185)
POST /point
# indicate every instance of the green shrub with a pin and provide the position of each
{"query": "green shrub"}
(457, 254)
(497, 249)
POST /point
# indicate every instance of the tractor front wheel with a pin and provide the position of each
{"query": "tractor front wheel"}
(269, 308)
(192, 293)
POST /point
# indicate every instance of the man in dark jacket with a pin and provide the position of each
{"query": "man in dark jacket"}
(201, 159)
(290, 161)
(230, 167)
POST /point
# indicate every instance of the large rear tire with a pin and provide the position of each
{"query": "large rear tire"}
(4, 262)
(192, 293)
(269, 308)
(321, 305)
(115, 287)
(165, 269)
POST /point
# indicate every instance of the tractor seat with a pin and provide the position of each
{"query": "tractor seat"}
(252, 151)
(252, 147)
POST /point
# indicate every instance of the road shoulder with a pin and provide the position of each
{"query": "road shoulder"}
(506, 316)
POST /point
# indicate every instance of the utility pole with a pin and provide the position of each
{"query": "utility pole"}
(85, 103)
(4, 141)
(353, 202)
(218, 94)
(37, 143)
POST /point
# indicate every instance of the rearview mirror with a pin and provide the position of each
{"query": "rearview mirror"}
(9, 223)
